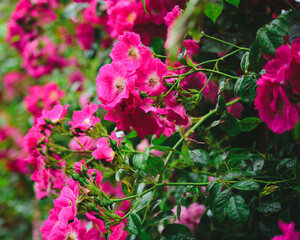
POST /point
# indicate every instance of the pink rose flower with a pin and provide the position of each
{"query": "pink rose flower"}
(85, 118)
(288, 231)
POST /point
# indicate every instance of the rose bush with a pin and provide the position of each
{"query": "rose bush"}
(150, 119)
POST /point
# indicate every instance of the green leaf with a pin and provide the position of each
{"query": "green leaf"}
(268, 208)
(186, 155)
(134, 224)
(245, 62)
(256, 57)
(213, 193)
(158, 141)
(139, 161)
(220, 204)
(163, 216)
(247, 89)
(233, 2)
(199, 157)
(237, 86)
(248, 124)
(213, 9)
(221, 105)
(238, 212)
(120, 174)
(154, 206)
(178, 211)
(246, 185)
(176, 231)
(288, 162)
(155, 166)
(270, 36)
(230, 124)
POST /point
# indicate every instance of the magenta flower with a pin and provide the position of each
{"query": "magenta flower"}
(41, 56)
(76, 77)
(288, 232)
(10, 81)
(66, 205)
(121, 17)
(73, 230)
(176, 112)
(85, 35)
(274, 107)
(130, 52)
(172, 16)
(150, 79)
(85, 118)
(55, 114)
(87, 142)
(32, 139)
(114, 83)
(104, 151)
(42, 97)
(277, 89)
(190, 216)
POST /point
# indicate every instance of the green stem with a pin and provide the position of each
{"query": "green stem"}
(228, 43)
(160, 185)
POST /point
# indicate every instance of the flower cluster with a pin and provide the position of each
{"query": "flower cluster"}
(40, 55)
(126, 89)
(278, 90)
(63, 222)
(42, 97)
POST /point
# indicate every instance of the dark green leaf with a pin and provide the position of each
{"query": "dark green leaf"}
(213, 193)
(220, 204)
(176, 231)
(199, 157)
(120, 174)
(139, 161)
(221, 105)
(269, 207)
(247, 89)
(186, 155)
(233, 2)
(155, 166)
(256, 57)
(230, 124)
(134, 224)
(154, 206)
(270, 36)
(288, 162)
(238, 212)
(178, 211)
(163, 216)
(125, 190)
(237, 86)
(213, 9)
(248, 124)
(246, 185)
(245, 62)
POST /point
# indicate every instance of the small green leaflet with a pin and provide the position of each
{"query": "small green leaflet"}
(233, 2)
(213, 9)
